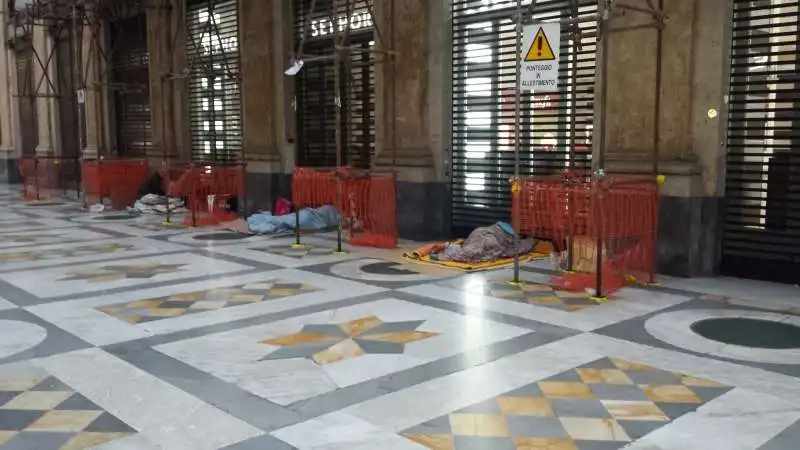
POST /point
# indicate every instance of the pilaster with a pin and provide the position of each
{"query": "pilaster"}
(44, 76)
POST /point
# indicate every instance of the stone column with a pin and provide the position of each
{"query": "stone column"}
(95, 144)
(266, 32)
(412, 101)
(688, 152)
(8, 153)
(44, 81)
(168, 87)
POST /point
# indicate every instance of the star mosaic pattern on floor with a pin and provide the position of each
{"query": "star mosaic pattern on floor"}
(609, 401)
(43, 255)
(47, 414)
(116, 272)
(177, 305)
(120, 333)
(530, 293)
(330, 343)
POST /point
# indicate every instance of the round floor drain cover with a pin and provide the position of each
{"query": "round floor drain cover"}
(221, 236)
(749, 332)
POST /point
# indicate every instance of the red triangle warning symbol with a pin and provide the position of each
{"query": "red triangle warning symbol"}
(540, 49)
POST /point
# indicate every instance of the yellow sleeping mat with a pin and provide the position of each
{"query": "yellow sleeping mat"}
(423, 256)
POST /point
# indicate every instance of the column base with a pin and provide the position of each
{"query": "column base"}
(264, 183)
(689, 236)
(423, 210)
(9, 168)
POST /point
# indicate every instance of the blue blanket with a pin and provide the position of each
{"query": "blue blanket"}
(311, 219)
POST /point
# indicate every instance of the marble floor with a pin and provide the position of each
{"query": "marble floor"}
(119, 334)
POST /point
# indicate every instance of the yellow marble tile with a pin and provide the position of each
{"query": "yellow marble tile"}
(19, 384)
(399, 337)
(37, 400)
(604, 376)
(534, 287)
(565, 389)
(72, 421)
(630, 410)
(631, 366)
(574, 308)
(549, 300)
(165, 312)
(300, 338)
(699, 382)
(356, 327)
(6, 436)
(189, 298)
(594, 429)
(544, 444)
(432, 441)
(671, 394)
(252, 298)
(130, 319)
(503, 293)
(525, 406)
(346, 349)
(478, 425)
(146, 304)
(86, 440)
(282, 292)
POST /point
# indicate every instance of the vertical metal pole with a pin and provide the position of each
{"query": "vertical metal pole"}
(337, 99)
(518, 57)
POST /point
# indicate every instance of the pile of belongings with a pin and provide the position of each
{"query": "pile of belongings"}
(157, 205)
(311, 219)
(482, 245)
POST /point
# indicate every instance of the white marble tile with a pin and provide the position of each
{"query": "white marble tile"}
(234, 355)
(675, 328)
(162, 413)
(80, 317)
(41, 237)
(19, 336)
(629, 303)
(6, 214)
(341, 431)
(133, 442)
(143, 227)
(28, 224)
(760, 294)
(5, 304)
(738, 420)
(256, 251)
(137, 247)
(54, 282)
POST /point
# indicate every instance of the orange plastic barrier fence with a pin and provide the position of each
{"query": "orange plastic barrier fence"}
(208, 191)
(47, 176)
(606, 227)
(118, 180)
(366, 203)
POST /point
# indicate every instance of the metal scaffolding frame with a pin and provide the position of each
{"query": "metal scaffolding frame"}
(608, 10)
(385, 53)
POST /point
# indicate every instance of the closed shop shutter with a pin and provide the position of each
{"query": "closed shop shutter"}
(761, 231)
(215, 101)
(315, 92)
(556, 128)
(130, 77)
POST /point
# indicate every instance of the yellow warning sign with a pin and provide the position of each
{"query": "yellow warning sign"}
(540, 49)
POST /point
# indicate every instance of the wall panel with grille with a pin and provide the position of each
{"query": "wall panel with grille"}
(215, 103)
(130, 86)
(25, 101)
(761, 229)
(555, 128)
(315, 102)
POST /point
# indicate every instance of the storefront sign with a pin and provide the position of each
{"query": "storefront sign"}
(359, 20)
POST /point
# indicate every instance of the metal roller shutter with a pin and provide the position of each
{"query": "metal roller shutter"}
(130, 77)
(555, 129)
(316, 113)
(761, 233)
(27, 105)
(215, 101)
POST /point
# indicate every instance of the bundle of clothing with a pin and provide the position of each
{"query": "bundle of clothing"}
(483, 244)
(311, 219)
(157, 205)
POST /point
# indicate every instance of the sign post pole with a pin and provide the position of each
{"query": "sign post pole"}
(538, 46)
(517, 100)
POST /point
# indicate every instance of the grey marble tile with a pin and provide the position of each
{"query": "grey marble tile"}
(56, 340)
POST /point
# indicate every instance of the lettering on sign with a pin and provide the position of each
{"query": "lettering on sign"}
(357, 21)
(540, 49)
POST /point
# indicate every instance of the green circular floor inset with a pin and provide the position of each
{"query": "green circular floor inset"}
(755, 333)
